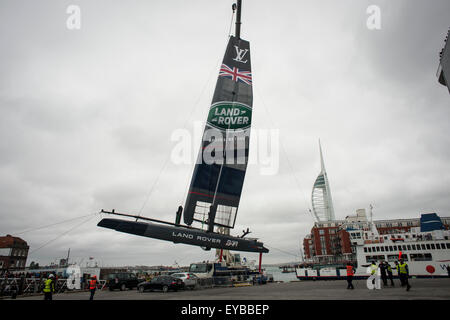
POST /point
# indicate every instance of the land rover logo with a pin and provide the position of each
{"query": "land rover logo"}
(230, 115)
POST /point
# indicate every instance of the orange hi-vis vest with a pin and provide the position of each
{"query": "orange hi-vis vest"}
(349, 270)
(92, 284)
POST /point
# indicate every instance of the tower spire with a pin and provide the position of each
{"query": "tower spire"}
(321, 194)
(322, 163)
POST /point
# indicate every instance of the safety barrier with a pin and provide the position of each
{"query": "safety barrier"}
(11, 287)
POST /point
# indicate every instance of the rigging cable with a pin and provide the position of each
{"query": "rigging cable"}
(286, 252)
(283, 149)
(53, 224)
(190, 115)
(62, 234)
(232, 16)
(184, 126)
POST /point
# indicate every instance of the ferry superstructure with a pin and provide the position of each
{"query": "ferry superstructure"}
(426, 250)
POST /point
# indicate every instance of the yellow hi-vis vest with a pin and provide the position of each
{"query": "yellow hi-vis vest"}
(402, 268)
(48, 285)
(373, 269)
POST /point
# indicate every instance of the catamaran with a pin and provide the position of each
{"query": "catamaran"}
(216, 185)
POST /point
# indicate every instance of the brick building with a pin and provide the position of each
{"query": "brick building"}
(328, 243)
(13, 253)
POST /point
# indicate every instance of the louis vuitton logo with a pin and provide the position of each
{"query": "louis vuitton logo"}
(240, 54)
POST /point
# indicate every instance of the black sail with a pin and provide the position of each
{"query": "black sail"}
(226, 137)
(219, 173)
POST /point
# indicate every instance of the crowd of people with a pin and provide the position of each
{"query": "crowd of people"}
(15, 283)
(385, 270)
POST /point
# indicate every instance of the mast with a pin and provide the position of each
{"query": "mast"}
(68, 255)
(213, 207)
(238, 19)
(215, 190)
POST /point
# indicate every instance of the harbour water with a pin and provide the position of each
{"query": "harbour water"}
(280, 276)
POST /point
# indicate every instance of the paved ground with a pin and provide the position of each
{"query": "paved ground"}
(428, 289)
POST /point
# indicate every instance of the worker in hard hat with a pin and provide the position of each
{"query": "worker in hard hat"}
(49, 287)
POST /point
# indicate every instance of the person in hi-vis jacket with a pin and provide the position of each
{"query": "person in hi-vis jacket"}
(373, 282)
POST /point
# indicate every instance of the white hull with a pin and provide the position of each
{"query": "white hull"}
(425, 259)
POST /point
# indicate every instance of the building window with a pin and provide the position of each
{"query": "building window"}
(428, 246)
(423, 247)
(378, 248)
(323, 245)
(438, 246)
(374, 258)
(421, 257)
(394, 257)
(413, 246)
(390, 248)
(409, 247)
(442, 246)
(365, 249)
(321, 231)
(433, 247)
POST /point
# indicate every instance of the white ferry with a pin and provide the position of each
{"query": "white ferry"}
(427, 254)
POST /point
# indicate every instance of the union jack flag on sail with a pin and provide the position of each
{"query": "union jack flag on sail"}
(235, 74)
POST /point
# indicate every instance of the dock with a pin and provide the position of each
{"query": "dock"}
(422, 289)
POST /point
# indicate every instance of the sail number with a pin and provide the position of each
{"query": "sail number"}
(232, 243)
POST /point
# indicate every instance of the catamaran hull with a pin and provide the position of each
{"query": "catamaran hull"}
(184, 235)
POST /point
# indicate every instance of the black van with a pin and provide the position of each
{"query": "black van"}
(122, 281)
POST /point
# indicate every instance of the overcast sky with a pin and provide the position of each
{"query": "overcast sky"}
(86, 117)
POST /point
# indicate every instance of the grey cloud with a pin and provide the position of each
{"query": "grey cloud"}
(86, 116)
